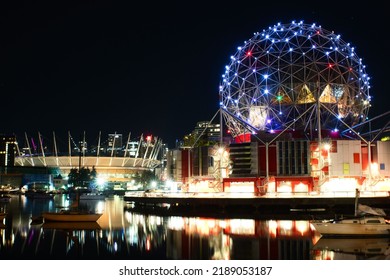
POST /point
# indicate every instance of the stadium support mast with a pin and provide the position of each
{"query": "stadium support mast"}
(43, 152)
(55, 147)
(139, 145)
(29, 149)
(146, 152)
(127, 147)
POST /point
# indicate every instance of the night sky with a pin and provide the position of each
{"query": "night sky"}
(150, 67)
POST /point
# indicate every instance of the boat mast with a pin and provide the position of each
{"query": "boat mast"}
(98, 150)
(84, 148)
(357, 195)
(70, 150)
(80, 147)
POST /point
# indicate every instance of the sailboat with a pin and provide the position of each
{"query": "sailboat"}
(74, 214)
(367, 221)
(356, 226)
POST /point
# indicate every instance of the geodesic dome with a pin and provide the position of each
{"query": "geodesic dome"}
(294, 76)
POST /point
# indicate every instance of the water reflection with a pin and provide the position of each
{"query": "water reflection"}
(353, 248)
(122, 233)
(206, 238)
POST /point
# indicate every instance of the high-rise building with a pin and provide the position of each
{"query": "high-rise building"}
(7, 150)
(114, 142)
(210, 131)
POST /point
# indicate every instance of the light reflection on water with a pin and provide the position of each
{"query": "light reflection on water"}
(122, 233)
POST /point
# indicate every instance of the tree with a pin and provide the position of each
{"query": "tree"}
(93, 174)
(82, 177)
(146, 177)
(73, 177)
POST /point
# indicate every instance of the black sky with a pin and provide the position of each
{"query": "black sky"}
(150, 67)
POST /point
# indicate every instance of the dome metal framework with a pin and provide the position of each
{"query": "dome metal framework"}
(294, 76)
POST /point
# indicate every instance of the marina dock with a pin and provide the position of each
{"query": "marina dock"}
(254, 205)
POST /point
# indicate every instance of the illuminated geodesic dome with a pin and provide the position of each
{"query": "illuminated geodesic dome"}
(294, 76)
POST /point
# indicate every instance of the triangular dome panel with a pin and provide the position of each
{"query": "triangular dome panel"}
(327, 95)
(305, 95)
(281, 98)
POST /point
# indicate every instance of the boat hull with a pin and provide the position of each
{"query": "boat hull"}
(71, 217)
(37, 195)
(92, 197)
(72, 225)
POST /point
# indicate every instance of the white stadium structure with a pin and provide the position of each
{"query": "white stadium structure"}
(116, 159)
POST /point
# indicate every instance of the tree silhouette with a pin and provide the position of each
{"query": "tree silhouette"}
(82, 177)
(146, 177)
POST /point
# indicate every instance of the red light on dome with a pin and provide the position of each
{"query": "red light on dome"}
(249, 53)
(148, 138)
(330, 65)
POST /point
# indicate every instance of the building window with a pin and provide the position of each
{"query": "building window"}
(356, 158)
(211, 161)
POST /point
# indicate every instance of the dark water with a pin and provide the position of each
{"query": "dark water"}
(122, 233)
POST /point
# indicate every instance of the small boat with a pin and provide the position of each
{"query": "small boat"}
(70, 216)
(355, 226)
(39, 195)
(92, 196)
(367, 221)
